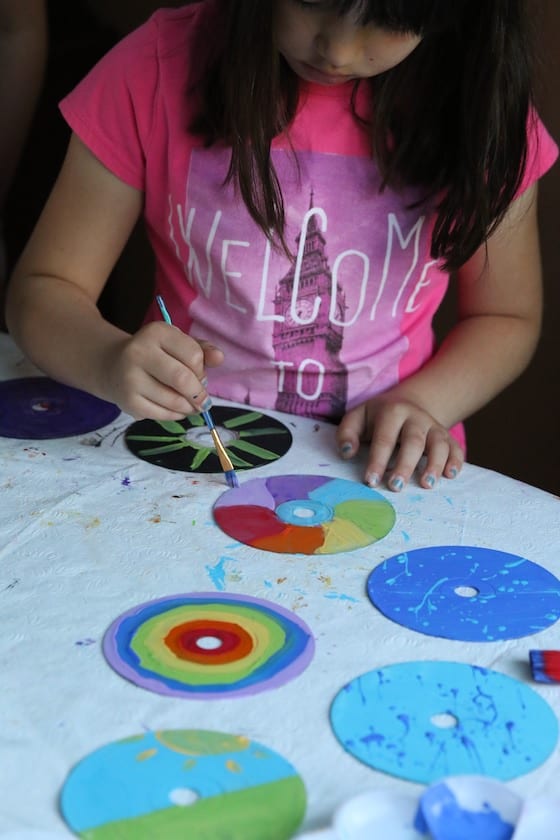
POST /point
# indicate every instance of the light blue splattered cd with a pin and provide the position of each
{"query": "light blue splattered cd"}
(424, 720)
(466, 593)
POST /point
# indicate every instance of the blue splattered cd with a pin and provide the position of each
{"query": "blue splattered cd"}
(424, 720)
(465, 593)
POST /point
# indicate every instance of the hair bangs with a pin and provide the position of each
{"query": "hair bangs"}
(420, 17)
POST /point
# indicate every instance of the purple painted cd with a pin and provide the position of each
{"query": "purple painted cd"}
(206, 645)
(38, 408)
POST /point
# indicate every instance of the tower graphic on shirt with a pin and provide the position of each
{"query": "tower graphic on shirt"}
(312, 380)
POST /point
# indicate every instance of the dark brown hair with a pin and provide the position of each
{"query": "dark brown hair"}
(451, 118)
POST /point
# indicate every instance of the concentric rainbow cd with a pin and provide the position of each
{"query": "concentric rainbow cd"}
(205, 645)
(304, 514)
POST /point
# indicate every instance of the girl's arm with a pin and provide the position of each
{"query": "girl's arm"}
(500, 302)
(52, 302)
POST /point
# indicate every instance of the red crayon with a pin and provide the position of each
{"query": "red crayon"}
(545, 665)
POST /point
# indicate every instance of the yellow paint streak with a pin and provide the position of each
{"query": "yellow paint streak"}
(144, 756)
(233, 766)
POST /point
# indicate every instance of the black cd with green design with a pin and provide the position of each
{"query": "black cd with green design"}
(251, 438)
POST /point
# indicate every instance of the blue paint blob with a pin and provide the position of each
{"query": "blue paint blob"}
(441, 814)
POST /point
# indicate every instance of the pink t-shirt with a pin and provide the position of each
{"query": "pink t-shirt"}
(352, 315)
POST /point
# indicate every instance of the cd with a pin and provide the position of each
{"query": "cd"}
(251, 439)
(304, 514)
(465, 593)
(184, 783)
(38, 408)
(204, 645)
(424, 720)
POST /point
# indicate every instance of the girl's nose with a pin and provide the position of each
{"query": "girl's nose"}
(338, 44)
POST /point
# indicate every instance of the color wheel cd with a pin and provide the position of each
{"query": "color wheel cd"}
(424, 720)
(184, 783)
(465, 593)
(304, 514)
(250, 437)
(38, 408)
(205, 645)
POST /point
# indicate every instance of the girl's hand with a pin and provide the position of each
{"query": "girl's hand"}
(159, 373)
(398, 427)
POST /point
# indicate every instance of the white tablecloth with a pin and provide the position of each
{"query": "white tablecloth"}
(87, 531)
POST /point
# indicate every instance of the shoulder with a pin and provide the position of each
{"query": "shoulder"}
(542, 151)
(123, 107)
(168, 35)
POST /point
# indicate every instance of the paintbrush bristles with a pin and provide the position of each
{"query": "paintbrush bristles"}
(220, 449)
(225, 461)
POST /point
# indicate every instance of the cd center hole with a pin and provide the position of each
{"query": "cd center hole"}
(42, 405)
(466, 591)
(209, 643)
(183, 796)
(303, 512)
(445, 720)
(200, 436)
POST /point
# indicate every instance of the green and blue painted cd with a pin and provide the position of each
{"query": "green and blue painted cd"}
(179, 784)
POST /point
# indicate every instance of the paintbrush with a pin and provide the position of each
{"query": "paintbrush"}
(225, 461)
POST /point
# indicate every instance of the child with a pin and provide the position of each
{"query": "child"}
(23, 52)
(309, 173)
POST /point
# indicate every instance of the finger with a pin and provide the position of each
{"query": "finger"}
(438, 448)
(151, 399)
(180, 367)
(455, 460)
(384, 439)
(411, 449)
(213, 356)
(175, 386)
(349, 432)
(184, 349)
(145, 409)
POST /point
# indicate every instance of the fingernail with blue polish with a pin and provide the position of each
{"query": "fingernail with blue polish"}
(430, 480)
(396, 483)
(345, 449)
(372, 480)
(453, 472)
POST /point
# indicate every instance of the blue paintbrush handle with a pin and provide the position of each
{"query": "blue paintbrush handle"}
(208, 419)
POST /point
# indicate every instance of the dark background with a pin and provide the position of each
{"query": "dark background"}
(517, 434)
